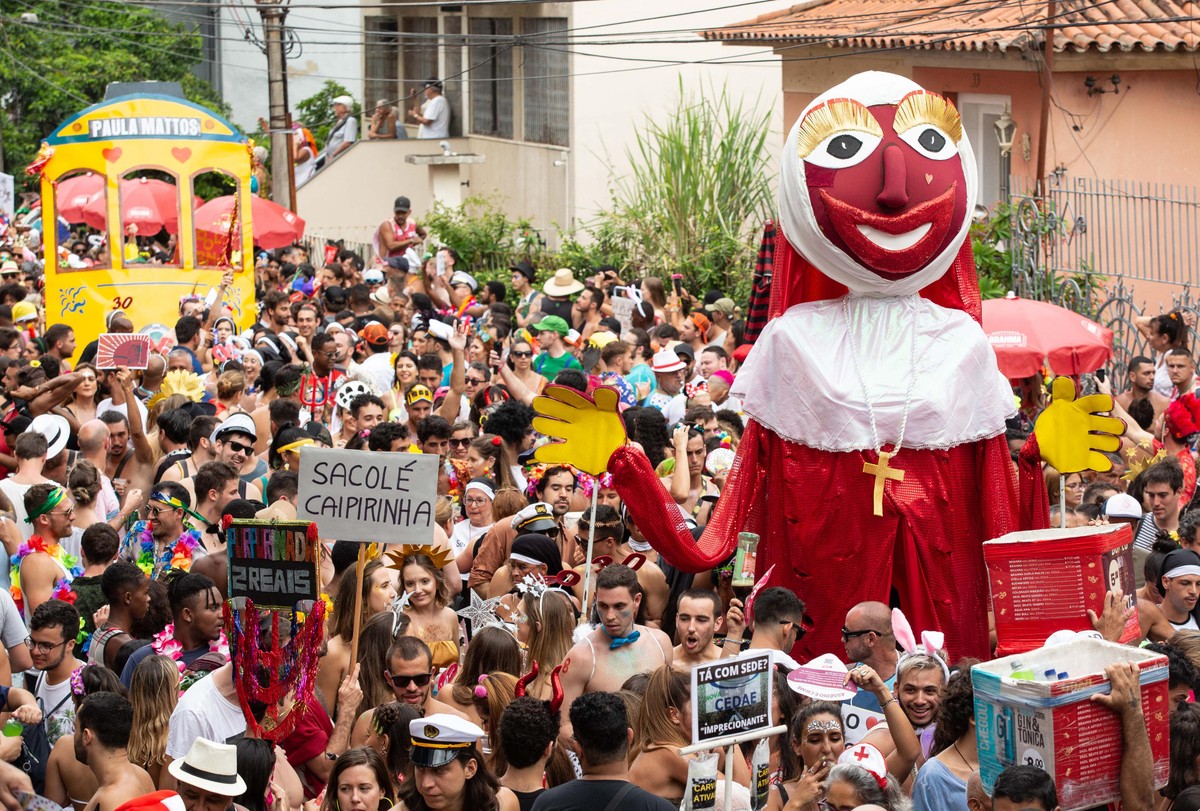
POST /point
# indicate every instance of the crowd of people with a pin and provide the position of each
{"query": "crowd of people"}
(473, 684)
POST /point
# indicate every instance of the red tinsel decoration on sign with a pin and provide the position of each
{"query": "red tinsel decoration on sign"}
(270, 676)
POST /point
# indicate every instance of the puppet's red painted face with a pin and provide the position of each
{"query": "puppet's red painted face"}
(886, 183)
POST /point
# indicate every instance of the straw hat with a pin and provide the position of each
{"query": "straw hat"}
(563, 283)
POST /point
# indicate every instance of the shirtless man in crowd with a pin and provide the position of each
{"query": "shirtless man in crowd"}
(696, 617)
(617, 649)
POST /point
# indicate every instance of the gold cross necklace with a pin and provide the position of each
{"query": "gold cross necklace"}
(881, 471)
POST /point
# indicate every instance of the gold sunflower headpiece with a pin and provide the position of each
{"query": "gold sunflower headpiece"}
(189, 384)
(439, 555)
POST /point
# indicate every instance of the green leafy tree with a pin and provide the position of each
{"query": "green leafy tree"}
(698, 191)
(60, 64)
(990, 239)
(316, 111)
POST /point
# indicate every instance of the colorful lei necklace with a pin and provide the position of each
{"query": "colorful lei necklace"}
(166, 644)
(68, 562)
(177, 555)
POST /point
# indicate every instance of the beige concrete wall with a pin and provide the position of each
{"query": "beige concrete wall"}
(349, 199)
(615, 87)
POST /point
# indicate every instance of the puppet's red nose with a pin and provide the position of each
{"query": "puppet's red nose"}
(894, 193)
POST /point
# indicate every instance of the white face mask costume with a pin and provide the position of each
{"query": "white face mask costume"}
(878, 181)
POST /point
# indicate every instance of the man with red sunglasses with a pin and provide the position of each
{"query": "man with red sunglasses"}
(410, 672)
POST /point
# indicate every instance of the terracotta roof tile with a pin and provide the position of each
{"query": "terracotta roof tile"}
(976, 25)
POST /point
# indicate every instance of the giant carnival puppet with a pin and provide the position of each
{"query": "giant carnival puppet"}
(874, 457)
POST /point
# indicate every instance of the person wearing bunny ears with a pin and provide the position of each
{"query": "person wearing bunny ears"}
(921, 677)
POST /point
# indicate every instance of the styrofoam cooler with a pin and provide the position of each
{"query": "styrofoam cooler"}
(1054, 725)
(1045, 580)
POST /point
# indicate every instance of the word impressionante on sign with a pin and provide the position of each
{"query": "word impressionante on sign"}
(731, 697)
(274, 563)
(369, 497)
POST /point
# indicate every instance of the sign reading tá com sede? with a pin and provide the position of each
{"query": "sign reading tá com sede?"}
(731, 697)
(368, 496)
(274, 563)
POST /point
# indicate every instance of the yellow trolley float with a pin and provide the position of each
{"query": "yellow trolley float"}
(134, 136)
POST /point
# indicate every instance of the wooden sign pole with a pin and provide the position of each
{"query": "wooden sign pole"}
(358, 600)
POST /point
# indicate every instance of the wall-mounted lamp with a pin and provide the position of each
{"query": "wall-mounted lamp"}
(1094, 87)
(1006, 128)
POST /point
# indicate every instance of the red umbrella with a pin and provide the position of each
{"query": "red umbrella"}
(272, 225)
(71, 196)
(150, 204)
(1026, 333)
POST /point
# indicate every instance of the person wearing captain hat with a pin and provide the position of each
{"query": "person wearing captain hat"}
(463, 287)
(448, 769)
(207, 777)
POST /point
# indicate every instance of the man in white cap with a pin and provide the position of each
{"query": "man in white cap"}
(345, 131)
(668, 397)
(234, 441)
(207, 777)
(1122, 508)
(463, 287)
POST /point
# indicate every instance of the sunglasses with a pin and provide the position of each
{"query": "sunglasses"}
(240, 448)
(520, 354)
(400, 682)
(460, 443)
(475, 381)
(848, 634)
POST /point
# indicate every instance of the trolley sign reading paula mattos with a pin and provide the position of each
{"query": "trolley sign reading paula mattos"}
(731, 697)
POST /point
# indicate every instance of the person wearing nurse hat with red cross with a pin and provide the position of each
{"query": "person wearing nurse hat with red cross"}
(861, 778)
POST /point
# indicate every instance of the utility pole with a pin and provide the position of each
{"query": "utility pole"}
(273, 13)
(1047, 78)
